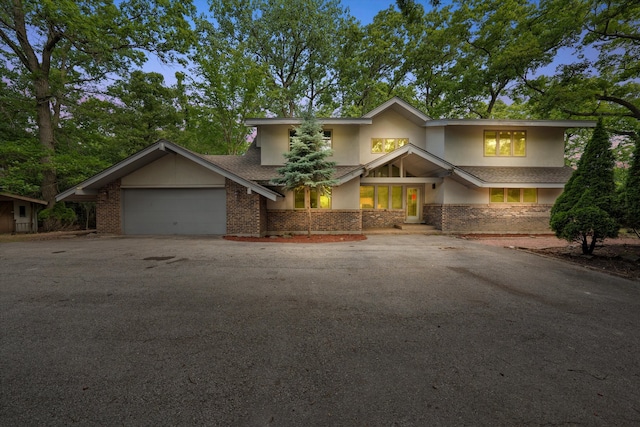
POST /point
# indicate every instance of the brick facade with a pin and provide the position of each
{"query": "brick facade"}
(246, 213)
(322, 221)
(503, 218)
(382, 218)
(108, 209)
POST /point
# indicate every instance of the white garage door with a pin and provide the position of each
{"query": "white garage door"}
(175, 211)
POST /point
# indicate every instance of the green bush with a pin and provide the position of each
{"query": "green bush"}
(59, 217)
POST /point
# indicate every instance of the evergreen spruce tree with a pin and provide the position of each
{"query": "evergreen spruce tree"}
(306, 166)
(584, 212)
(632, 191)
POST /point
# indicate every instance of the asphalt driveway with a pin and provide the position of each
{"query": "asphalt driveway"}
(394, 330)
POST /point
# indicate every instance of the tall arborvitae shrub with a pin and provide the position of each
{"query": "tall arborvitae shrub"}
(584, 212)
(631, 192)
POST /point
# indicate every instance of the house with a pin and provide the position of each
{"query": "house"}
(394, 165)
(19, 214)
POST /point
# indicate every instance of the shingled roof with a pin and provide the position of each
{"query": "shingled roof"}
(248, 166)
(519, 175)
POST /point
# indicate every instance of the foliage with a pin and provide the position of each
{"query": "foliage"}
(57, 217)
(64, 48)
(306, 166)
(586, 208)
(293, 41)
(631, 191)
(226, 90)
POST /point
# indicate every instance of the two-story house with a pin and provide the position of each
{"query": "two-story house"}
(394, 165)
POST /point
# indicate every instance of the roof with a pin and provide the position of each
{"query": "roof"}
(296, 121)
(401, 107)
(497, 176)
(87, 190)
(248, 166)
(9, 196)
(511, 123)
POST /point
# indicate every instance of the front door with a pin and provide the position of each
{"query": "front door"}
(413, 205)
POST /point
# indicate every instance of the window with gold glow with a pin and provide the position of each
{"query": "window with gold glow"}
(513, 195)
(502, 143)
(387, 145)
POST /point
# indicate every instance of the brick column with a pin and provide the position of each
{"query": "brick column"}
(109, 209)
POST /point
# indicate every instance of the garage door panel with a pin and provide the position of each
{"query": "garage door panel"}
(174, 211)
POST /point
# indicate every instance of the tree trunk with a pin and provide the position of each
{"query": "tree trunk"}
(45, 134)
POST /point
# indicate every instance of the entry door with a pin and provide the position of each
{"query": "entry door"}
(413, 205)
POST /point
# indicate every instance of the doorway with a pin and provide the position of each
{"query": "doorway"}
(412, 209)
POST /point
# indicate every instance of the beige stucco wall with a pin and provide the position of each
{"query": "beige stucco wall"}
(464, 147)
(435, 141)
(173, 171)
(388, 124)
(274, 142)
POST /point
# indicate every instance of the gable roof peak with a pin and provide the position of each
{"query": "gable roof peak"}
(401, 107)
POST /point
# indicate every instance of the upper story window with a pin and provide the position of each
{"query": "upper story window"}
(327, 139)
(387, 145)
(505, 143)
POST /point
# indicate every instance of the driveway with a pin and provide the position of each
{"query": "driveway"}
(394, 330)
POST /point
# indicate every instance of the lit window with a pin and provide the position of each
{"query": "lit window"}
(505, 143)
(381, 197)
(316, 198)
(367, 193)
(387, 145)
(513, 195)
(327, 139)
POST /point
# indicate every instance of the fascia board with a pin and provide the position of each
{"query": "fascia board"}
(513, 123)
(297, 121)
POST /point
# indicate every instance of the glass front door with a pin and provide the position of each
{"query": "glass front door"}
(413, 204)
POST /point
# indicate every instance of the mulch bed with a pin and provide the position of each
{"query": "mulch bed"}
(617, 259)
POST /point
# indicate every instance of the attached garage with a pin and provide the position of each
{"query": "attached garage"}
(174, 211)
(166, 189)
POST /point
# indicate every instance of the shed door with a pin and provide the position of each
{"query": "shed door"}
(174, 211)
(6, 217)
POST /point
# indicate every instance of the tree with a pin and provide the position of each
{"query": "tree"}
(584, 212)
(470, 53)
(631, 193)
(295, 41)
(226, 88)
(62, 46)
(306, 166)
(603, 86)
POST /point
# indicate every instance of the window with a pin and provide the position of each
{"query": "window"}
(381, 197)
(505, 143)
(318, 201)
(513, 195)
(22, 211)
(327, 139)
(387, 145)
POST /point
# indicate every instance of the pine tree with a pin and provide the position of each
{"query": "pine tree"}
(632, 191)
(584, 212)
(306, 166)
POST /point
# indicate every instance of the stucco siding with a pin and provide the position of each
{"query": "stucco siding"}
(389, 124)
(172, 171)
(435, 141)
(464, 146)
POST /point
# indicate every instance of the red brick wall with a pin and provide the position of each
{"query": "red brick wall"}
(490, 218)
(108, 209)
(382, 218)
(322, 221)
(246, 213)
